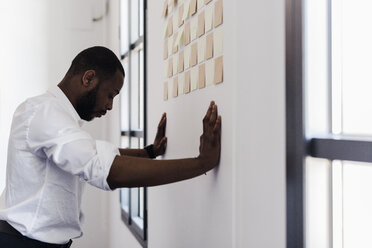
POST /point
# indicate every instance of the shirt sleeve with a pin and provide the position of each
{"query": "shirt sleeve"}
(73, 150)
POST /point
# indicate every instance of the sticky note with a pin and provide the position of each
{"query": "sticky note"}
(192, 7)
(207, 1)
(175, 45)
(180, 37)
(186, 88)
(201, 79)
(180, 15)
(201, 50)
(186, 37)
(170, 26)
(165, 54)
(181, 60)
(181, 83)
(194, 28)
(175, 87)
(217, 42)
(201, 24)
(209, 71)
(170, 67)
(170, 48)
(194, 78)
(218, 70)
(175, 65)
(175, 2)
(166, 68)
(166, 31)
(187, 54)
(200, 4)
(186, 10)
(175, 21)
(170, 6)
(209, 46)
(170, 89)
(208, 18)
(165, 91)
(165, 9)
(218, 15)
(194, 54)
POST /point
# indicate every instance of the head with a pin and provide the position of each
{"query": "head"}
(95, 77)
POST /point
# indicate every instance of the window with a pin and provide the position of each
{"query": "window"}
(133, 108)
(329, 123)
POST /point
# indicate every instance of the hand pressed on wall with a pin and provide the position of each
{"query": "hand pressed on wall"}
(160, 142)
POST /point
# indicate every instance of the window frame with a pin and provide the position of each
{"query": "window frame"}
(139, 232)
(298, 147)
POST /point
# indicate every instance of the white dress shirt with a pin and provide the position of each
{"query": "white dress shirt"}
(49, 160)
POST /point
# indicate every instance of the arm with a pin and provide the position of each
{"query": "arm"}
(159, 146)
(136, 172)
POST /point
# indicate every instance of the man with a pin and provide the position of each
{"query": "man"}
(50, 157)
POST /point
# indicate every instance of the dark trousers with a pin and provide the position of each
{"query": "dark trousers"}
(15, 241)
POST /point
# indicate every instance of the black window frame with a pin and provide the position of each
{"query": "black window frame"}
(298, 147)
(140, 44)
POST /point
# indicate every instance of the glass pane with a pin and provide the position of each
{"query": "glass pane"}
(124, 142)
(318, 203)
(141, 89)
(124, 26)
(134, 91)
(141, 20)
(134, 201)
(357, 191)
(141, 202)
(124, 99)
(141, 143)
(134, 142)
(134, 20)
(354, 63)
(124, 199)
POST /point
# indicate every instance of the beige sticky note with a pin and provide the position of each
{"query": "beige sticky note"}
(207, 1)
(166, 68)
(175, 65)
(175, 2)
(181, 83)
(201, 24)
(165, 91)
(194, 28)
(218, 70)
(165, 31)
(170, 67)
(187, 54)
(209, 71)
(186, 88)
(170, 48)
(186, 10)
(170, 89)
(194, 78)
(175, 87)
(180, 37)
(165, 9)
(186, 37)
(218, 13)
(192, 7)
(165, 54)
(170, 6)
(180, 15)
(201, 79)
(209, 46)
(194, 54)
(201, 49)
(208, 18)
(181, 60)
(170, 26)
(200, 4)
(175, 45)
(175, 21)
(218, 42)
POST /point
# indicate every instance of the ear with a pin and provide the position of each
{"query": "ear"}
(89, 79)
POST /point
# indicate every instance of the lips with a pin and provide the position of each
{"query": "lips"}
(101, 113)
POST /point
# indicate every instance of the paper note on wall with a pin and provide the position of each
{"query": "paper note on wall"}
(194, 54)
(175, 44)
(194, 78)
(186, 10)
(201, 50)
(209, 71)
(170, 89)
(209, 46)
(175, 21)
(170, 26)
(208, 18)
(187, 86)
(218, 13)
(193, 7)
(201, 83)
(165, 91)
(175, 87)
(218, 42)
(165, 55)
(201, 24)
(181, 60)
(194, 28)
(181, 83)
(186, 37)
(200, 4)
(165, 9)
(175, 65)
(187, 53)
(180, 15)
(218, 70)
(170, 67)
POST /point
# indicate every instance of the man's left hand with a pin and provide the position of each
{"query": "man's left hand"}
(160, 142)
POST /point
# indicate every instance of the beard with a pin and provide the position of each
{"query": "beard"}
(85, 105)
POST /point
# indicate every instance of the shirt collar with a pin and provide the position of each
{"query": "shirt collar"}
(60, 95)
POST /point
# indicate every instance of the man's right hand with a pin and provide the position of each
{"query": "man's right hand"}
(210, 140)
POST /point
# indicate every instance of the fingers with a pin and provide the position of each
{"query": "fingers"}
(213, 116)
(208, 115)
(217, 128)
(162, 126)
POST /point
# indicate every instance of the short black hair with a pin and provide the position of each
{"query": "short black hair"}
(98, 58)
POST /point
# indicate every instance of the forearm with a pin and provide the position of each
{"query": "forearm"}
(142, 153)
(138, 172)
